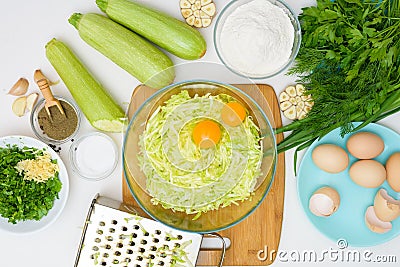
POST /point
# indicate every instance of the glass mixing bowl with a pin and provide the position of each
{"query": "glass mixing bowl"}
(213, 220)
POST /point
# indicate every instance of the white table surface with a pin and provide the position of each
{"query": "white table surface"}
(25, 28)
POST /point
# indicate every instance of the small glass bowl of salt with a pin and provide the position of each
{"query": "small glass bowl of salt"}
(94, 156)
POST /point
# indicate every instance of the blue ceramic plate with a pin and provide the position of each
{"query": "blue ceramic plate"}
(348, 221)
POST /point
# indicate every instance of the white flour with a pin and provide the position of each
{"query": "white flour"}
(257, 38)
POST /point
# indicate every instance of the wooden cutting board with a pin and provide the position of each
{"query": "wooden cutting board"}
(262, 229)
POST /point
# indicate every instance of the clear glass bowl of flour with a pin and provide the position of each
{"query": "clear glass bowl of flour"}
(257, 39)
(94, 156)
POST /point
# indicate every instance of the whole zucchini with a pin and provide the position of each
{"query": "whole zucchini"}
(125, 48)
(97, 105)
(167, 32)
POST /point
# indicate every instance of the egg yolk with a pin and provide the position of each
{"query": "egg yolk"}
(233, 113)
(206, 134)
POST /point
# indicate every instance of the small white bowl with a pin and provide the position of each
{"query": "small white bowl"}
(94, 156)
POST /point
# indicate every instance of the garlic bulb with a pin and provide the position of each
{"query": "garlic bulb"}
(294, 103)
(198, 13)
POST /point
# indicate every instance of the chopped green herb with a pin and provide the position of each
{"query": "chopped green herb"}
(21, 199)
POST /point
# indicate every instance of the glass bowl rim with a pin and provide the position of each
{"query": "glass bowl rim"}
(271, 171)
(297, 33)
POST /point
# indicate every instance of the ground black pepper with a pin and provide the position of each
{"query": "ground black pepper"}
(60, 126)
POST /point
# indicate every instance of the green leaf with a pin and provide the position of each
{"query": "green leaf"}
(369, 31)
(331, 54)
(356, 34)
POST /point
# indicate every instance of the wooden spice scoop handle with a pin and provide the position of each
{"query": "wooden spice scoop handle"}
(44, 87)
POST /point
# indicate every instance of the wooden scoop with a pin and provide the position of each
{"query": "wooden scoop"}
(44, 87)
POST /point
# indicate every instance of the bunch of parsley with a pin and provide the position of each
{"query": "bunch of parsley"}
(20, 199)
(349, 61)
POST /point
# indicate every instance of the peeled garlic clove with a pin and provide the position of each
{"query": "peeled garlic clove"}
(197, 4)
(187, 12)
(307, 109)
(206, 22)
(301, 115)
(185, 4)
(293, 100)
(285, 105)
(309, 103)
(300, 89)
(190, 20)
(324, 202)
(197, 23)
(299, 110)
(283, 97)
(205, 2)
(19, 106)
(204, 15)
(290, 113)
(291, 91)
(374, 223)
(19, 88)
(209, 9)
(31, 101)
(386, 208)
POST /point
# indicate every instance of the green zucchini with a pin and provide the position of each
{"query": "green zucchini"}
(165, 31)
(97, 105)
(125, 48)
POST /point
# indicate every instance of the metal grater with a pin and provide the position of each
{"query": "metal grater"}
(114, 236)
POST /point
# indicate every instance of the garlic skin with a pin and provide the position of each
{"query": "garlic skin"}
(19, 88)
(386, 208)
(31, 101)
(374, 223)
(324, 202)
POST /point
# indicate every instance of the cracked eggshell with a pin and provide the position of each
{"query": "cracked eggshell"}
(386, 208)
(330, 158)
(393, 171)
(365, 145)
(374, 223)
(324, 202)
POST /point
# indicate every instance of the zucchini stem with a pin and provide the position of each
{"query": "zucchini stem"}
(74, 19)
(102, 4)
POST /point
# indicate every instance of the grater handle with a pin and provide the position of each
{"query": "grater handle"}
(221, 261)
(85, 228)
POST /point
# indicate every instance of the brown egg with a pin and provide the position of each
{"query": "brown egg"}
(365, 145)
(330, 158)
(393, 171)
(386, 208)
(368, 173)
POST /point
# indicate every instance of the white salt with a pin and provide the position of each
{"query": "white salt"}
(95, 156)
